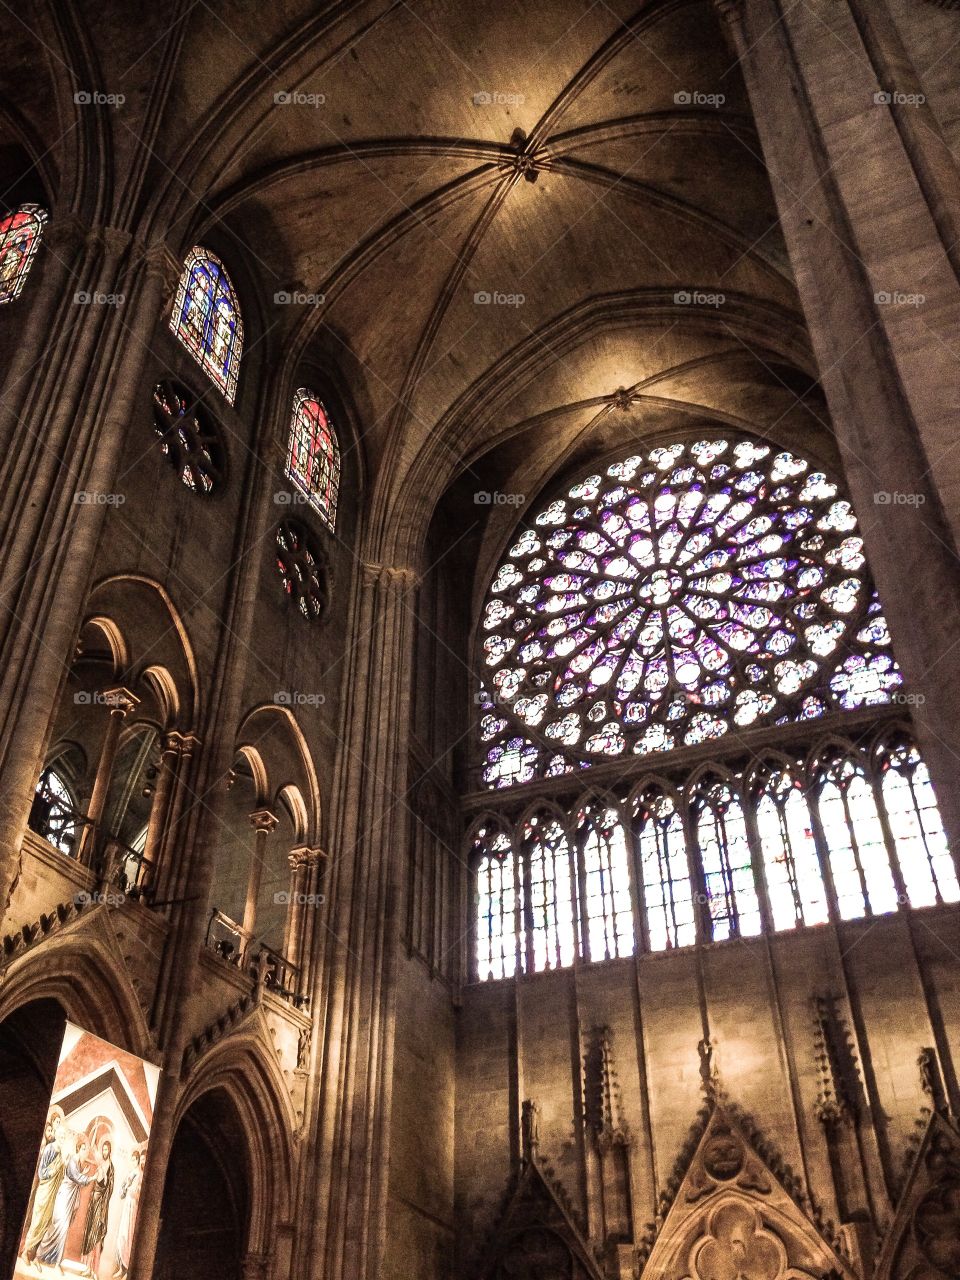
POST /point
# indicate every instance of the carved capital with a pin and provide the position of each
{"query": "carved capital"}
(184, 744)
(263, 820)
(389, 577)
(119, 700)
(114, 241)
(160, 264)
(306, 857)
(65, 235)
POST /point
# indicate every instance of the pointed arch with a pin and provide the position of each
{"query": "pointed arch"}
(245, 1068)
(313, 455)
(206, 319)
(271, 731)
(20, 233)
(665, 884)
(84, 974)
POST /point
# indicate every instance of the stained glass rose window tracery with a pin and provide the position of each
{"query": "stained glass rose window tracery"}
(206, 319)
(681, 594)
(301, 569)
(20, 233)
(188, 439)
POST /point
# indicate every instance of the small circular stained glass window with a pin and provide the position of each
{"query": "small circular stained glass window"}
(189, 440)
(301, 569)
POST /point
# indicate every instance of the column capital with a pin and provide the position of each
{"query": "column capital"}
(263, 820)
(65, 234)
(161, 264)
(113, 240)
(119, 700)
(305, 856)
(184, 744)
(391, 577)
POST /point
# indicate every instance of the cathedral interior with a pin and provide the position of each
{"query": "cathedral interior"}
(480, 629)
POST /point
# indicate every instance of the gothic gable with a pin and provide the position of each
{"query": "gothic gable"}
(733, 1217)
(923, 1242)
(537, 1238)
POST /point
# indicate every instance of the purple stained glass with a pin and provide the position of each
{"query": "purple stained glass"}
(206, 319)
(706, 585)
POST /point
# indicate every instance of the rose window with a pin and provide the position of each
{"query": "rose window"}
(300, 569)
(188, 440)
(681, 595)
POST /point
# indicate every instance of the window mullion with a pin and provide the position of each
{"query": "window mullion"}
(580, 842)
(903, 898)
(638, 896)
(750, 799)
(698, 879)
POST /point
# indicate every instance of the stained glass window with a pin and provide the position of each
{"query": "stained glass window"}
(550, 893)
(606, 884)
(496, 905)
(665, 872)
(206, 319)
(672, 603)
(300, 570)
(795, 887)
(680, 595)
(53, 813)
(313, 455)
(925, 862)
(853, 833)
(733, 908)
(188, 439)
(20, 234)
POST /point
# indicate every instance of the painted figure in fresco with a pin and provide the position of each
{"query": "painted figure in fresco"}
(130, 1195)
(47, 1184)
(78, 1171)
(95, 1230)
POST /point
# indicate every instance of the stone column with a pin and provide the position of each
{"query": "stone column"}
(120, 701)
(169, 759)
(350, 1113)
(866, 210)
(167, 860)
(305, 864)
(255, 1266)
(263, 822)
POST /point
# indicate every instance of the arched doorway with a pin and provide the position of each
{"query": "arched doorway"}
(206, 1197)
(30, 1040)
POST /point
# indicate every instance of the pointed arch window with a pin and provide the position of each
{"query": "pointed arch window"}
(605, 884)
(54, 813)
(928, 869)
(795, 888)
(549, 893)
(665, 872)
(313, 455)
(497, 902)
(20, 234)
(660, 621)
(733, 908)
(853, 834)
(206, 319)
